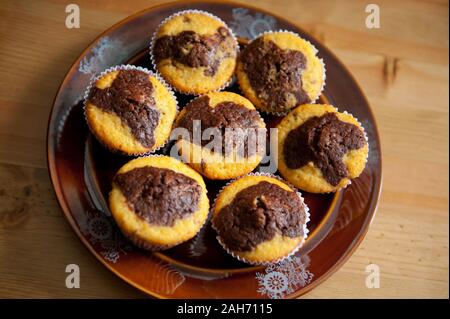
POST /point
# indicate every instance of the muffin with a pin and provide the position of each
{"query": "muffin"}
(320, 150)
(259, 219)
(158, 202)
(220, 135)
(130, 110)
(279, 70)
(195, 52)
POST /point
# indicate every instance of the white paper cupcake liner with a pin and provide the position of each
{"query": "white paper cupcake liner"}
(91, 84)
(305, 228)
(153, 40)
(138, 242)
(152, 247)
(313, 100)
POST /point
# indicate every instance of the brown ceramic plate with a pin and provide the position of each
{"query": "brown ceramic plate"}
(81, 172)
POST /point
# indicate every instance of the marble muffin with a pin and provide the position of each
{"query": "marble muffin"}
(233, 135)
(130, 111)
(260, 219)
(279, 70)
(321, 150)
(158, 202)
(195, 52)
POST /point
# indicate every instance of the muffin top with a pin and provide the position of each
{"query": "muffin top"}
(323, 140)
(257, 213)
(320, 148)
(160, 196)
(158, 201)
(279, 70)
(130, 97)
(230, 116)
(195, 50)
(195, 47)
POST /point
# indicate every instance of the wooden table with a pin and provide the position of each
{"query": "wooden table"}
(402, 68)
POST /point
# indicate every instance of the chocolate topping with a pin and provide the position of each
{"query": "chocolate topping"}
(324, 141)
(242, 125)
(130, 98)
(257, 213)
(159, 196)
(275, 74)
(194, 50)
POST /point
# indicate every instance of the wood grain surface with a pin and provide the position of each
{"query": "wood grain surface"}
(402, 68)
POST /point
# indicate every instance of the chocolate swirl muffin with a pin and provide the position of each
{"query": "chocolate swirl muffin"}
(279, 70)
(130, 111)
(195, 52)
(158, 202)
(221, 135)
(321, 150)
(260, 219)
